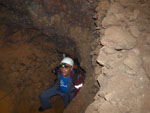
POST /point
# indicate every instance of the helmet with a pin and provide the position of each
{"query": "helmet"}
(68, 60)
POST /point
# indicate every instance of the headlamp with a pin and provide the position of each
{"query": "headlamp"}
(63, 65)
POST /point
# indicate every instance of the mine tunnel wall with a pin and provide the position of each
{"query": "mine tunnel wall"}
(124, 58)
(34, 34)
(114, 52)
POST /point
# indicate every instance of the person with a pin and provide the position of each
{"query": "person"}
(64, 85)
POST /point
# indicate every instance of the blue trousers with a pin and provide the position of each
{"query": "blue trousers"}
(53, 91)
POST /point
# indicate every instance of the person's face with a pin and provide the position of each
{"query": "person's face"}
(66, 70)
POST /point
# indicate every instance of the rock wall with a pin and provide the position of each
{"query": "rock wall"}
(66, 19)
(33, 35)
(123, 61)
(26, 59)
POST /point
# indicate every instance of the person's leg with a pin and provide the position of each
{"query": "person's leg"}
(45, 96)
(67, 98)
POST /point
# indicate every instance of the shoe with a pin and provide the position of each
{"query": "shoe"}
(41, 109)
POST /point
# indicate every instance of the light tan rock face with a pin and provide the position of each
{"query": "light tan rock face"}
(124, 59)
(118, 38)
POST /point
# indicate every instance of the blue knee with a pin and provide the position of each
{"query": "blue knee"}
(43, 96)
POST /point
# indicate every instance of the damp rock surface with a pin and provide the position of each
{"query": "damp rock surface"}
(124, 59)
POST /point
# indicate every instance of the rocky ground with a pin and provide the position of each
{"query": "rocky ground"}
(124, 58)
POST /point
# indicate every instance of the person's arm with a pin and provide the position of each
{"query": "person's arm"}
(79, 82)
(55, 71)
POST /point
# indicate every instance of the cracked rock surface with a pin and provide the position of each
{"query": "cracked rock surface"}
(124, 58)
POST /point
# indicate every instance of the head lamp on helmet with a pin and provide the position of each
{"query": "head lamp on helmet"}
(63, 65)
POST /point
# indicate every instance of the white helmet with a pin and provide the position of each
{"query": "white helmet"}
(68, 60)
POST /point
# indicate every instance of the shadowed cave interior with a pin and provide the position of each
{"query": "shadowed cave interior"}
(33, 36)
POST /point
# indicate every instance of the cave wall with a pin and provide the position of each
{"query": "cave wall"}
(70, 20)
(33, 32)
(123, 61)
(64, 19)
(119, 44)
